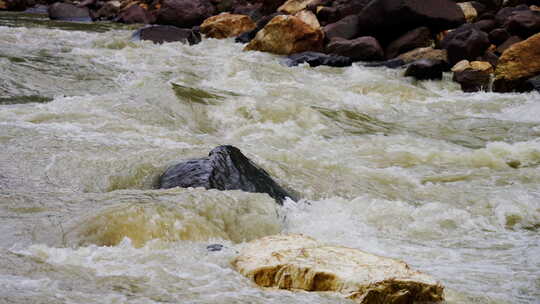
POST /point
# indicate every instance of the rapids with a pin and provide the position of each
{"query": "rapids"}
(420, 171)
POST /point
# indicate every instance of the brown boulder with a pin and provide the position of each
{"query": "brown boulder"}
(287, 35)
(346, 28)
(136, 14)
(360, 49)
(523, 23)
(227, 25)
(518, 63)
(184, 13)
(419, 37)
(388, 19)
(424, 53)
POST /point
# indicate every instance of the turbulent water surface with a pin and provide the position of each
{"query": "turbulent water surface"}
(447, 181)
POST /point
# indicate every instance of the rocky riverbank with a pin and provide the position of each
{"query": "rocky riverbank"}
(485, 44)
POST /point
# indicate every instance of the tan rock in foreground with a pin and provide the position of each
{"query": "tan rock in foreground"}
(226, 25)
(285, 35)
(517, 63)
(294, 6)
(298, 262)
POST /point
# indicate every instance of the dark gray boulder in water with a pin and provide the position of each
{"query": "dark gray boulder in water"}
(315, 59)
(167, 33)
(225, 168)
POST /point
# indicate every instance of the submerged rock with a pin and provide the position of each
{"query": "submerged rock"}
(225, 168)
(315, 59)
(69, 12)
(297, 262)
(167, 33)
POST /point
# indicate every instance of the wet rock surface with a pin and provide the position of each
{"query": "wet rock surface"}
(225, 168)
(425, 69)
(315, 59)
(298, 262)
(167, 33)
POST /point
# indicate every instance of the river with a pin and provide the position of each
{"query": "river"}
(447, 181)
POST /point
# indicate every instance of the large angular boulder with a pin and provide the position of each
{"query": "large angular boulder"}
(315, 59)
(225, 168)
(109, 10)
(167, 33)
(184, 13)
(227, 25)
(359, 49)
(388, 19)
(287, 35)
(425, 69)
(465, 42)
(517, 64)
(419, 37)
(69, 12)
(298, 262)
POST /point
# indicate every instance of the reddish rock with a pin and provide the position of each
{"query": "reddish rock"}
(359, 49)
(136, 14)
(419, 37)
(184, 13)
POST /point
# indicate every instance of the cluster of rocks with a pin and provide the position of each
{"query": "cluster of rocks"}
(482, 42)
